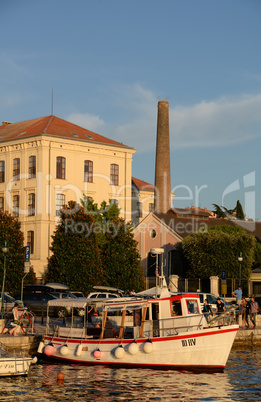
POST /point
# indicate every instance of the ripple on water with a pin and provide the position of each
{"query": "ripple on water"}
(239, 382)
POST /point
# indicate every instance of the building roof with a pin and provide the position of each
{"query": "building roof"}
(193, 211)
(188, 225)
(142, 185)
(53, 126)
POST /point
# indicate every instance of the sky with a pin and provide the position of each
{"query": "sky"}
(109, 62)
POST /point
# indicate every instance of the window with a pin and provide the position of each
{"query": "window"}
(176, 307)
(114, 174)
(2, 171)
(30, 240)
(31, 204)
(32, 167)
(60, 167)
(16, 205)
(2, 204)
(60, 203)
(192, 306)
(88, 171)
(139, 209)
(151, 207)
(16, 169)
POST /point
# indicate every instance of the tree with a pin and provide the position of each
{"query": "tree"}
(223, 212)
(76, 258)
(10, 231)
(217, 249)
(121, 260)
(239, 211)
(92, 246)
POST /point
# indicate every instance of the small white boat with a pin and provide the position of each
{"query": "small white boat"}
(160, 331)
(13, 364)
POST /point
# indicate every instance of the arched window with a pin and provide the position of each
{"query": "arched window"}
(88, 171)
(60, 167)
(30, 240)
(114, 177)
(16, 199)
(16, 169)
(31, 204)
(32, 167)
(2, 171)
(60, 203)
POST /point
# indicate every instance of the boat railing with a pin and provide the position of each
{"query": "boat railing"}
(227, 317)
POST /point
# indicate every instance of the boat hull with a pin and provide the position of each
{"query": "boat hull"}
(14, 366)
(199, 350)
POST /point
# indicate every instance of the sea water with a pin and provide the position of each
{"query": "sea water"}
(241, 381)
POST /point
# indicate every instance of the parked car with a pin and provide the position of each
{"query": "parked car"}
(68, 295)
(9, 302)
(77, 294)
(37, 301)
(105, 292)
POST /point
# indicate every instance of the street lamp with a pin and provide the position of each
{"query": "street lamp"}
(240, 259)
(5, 249)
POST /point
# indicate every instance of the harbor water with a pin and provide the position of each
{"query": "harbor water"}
(239, 382)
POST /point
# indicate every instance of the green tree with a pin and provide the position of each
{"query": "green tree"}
(76, 258)
(10, 231)
(211, 252)
(239, 211)
(121, 260)
(223, 212)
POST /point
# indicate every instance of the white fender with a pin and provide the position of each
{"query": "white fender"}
(133, 348)
(78, 350)
(148, 347)
(64, 350)
(119, 352)
(40, 347)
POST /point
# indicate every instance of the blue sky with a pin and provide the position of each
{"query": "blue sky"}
(110, 62)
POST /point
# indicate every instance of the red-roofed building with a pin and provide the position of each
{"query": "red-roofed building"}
(46, 162)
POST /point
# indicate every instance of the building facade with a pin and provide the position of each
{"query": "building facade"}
(46, 162)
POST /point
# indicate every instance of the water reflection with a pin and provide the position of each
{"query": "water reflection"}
(239, 382)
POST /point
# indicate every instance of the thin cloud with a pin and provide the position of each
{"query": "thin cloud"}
(86, 120)
(220, 122)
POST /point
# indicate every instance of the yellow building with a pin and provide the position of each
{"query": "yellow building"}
(46, 162)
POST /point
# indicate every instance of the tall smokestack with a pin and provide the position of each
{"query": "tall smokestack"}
(162, 194)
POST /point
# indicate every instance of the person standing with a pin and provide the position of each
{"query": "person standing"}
(254, 307)
(244, 311)
(238, 294)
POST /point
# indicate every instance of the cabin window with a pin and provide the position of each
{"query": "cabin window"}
(192, 306)
(176, 307)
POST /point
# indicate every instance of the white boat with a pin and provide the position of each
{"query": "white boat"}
(159, 331)
(13, 364)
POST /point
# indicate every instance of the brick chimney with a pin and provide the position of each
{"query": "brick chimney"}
(162, 194)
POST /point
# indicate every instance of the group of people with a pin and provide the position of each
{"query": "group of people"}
(248, 309)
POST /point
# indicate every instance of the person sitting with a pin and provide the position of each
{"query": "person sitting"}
(16, 323)
(108, 328)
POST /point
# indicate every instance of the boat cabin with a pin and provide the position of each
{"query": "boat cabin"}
(130, 317)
